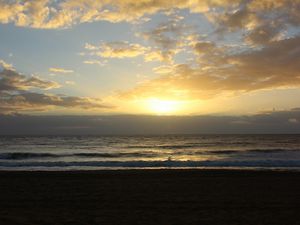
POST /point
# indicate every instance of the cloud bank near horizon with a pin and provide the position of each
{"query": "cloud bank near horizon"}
(268, 122)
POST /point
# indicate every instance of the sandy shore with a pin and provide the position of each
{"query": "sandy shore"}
(145, 197)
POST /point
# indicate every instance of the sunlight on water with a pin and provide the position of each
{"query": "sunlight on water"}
(202, 151)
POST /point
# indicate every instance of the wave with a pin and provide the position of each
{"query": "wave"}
(188, 145)
(161, 146)
(272, 150)
(26, 155)
(30, 155)
(141, 154)
(155, 164)
(118, 155)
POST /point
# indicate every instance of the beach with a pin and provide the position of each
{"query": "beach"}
(150, 197)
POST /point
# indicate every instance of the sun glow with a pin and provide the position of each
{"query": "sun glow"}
(163, 106)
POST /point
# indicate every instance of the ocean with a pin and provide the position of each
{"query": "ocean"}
(152, 152)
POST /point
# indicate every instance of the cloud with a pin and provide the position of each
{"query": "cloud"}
(262, 21)
(91, 47)
(164, 35)
(208, 54)
(95, 62)
(157, 55)
(163, 69)
(59, 14)
(220, 72)
(6, 65)
(119, 49)
(204, 47)
(70, 82)
(16, 95)
(264, 34)
(12, 81)
(266, 60)
(265, 56)
(268, 122)
(123, 49)
(25, 13)
(60, 70)
(29, 101)
(168, 38)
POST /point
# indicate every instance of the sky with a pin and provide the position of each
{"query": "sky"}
(150, 57)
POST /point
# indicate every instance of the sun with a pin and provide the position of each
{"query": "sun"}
(159, 106)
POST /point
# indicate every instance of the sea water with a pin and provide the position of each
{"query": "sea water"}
(138, 152)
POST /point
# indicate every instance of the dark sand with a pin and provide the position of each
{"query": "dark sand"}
(166, 197)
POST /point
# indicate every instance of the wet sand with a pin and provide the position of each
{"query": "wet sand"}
(166, 197)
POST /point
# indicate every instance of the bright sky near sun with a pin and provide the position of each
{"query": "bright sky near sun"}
(182, 57)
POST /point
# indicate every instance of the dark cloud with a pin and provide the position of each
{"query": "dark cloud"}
(236, 19)
(10, 80)
(262, 21)
(168, 38)
(28, 101)
(264, 34)
(267, 122)
(205, 47)
(15, 95)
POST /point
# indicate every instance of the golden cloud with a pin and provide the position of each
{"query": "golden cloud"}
(274, 66)
(60, 70)
(6, 65)
(118, 50)
(54, 14)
